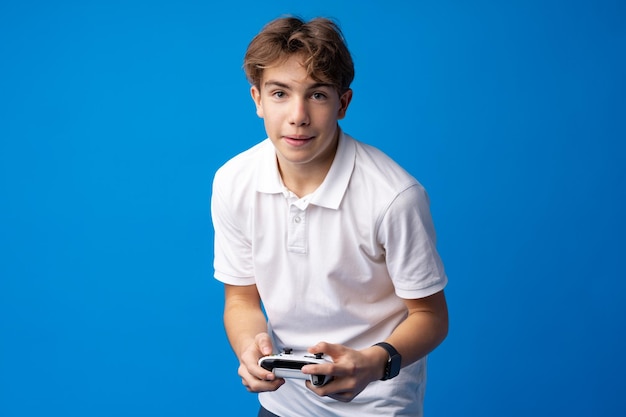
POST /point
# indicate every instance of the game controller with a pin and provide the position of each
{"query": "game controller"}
(288, 364)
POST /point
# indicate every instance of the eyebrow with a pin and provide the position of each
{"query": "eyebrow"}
(279, 84)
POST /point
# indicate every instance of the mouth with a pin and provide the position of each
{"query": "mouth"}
(297, 140)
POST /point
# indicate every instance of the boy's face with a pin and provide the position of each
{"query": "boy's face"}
(300, 115)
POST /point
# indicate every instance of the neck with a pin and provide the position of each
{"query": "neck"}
(304, 179)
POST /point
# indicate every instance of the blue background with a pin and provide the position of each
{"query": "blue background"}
(114, 116)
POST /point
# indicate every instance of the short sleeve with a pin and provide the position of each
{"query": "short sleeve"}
(408, 235)
(232, 248)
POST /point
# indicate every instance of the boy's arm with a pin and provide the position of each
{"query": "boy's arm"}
(424, 328)
(243, 317)
(246, 328)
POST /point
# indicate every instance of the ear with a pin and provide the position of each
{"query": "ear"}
(344, 102)
(256, 97)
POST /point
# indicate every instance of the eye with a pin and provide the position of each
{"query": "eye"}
(278, 94)
(318, 96)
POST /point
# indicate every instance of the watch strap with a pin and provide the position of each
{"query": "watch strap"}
(392, 367)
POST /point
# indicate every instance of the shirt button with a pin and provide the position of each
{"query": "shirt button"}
(296, 219)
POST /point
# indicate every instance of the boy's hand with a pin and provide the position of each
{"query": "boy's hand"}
(254, 377)
(352, 370)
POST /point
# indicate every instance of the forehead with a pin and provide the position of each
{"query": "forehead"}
(290, 68)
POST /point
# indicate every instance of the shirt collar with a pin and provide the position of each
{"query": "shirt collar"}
(330, 193)
(268, 177)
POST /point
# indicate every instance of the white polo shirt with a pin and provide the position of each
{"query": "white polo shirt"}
(331, 266)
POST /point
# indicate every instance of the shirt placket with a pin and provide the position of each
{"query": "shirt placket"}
(297, 230)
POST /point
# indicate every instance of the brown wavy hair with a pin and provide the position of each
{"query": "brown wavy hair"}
(319, 41)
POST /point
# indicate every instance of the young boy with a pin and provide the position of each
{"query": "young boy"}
(323, 243)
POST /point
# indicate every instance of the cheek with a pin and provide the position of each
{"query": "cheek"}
(330, 116)
(271, 116)
(270, 123)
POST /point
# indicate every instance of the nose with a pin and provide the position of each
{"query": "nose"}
(299, 115)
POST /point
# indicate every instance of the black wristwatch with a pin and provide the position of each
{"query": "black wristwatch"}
(392, 368)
